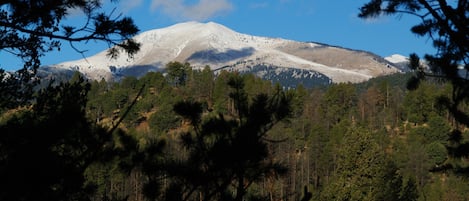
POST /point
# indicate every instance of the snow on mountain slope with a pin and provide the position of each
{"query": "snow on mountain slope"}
(215, 45)
(397, 58)
(400, 61)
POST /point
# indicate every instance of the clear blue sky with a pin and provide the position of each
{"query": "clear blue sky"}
(333, 22)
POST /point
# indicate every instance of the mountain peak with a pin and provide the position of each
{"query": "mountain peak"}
(194, 24)
(219, 47)
(397, 58)
(192, 27)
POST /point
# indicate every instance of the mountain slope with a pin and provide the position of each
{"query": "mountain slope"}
(219, 47)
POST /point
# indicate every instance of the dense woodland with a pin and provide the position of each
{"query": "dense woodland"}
(193, 135)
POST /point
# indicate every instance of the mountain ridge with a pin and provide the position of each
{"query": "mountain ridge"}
(221, 48)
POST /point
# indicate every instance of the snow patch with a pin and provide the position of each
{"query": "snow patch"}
(396, 58)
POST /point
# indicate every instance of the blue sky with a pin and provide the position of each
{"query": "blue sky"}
(332, 22)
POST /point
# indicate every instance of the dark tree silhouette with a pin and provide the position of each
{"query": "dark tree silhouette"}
(45, 150)
(306, 194)
(29, 29)
(226, 154)
(46, 140)
(447, 25)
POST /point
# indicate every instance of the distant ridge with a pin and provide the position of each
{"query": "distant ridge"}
(221, 48)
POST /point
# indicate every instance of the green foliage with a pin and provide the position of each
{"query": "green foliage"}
(393, 187)
(391, 184)
(338, 101)
(437, 153)
(420, 104)
(223, 151)
(178, 73)
(163, 120)
(439, 130)
(220, 93)
(223, 137)
(446, 25)
(343, 143)
(311, 144)
(409, 191)
(359, 163)
(200, 85)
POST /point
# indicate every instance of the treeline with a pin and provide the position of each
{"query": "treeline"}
(371, 140)
(191, 135)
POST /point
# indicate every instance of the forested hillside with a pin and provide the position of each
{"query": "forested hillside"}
(189, 135)
(192, 136)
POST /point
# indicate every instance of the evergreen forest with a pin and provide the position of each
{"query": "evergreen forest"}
(193, 135)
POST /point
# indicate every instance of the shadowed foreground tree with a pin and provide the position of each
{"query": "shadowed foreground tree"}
(446, 23)
(46, 141)
(31, 28)
(226, 154)
(44, 150)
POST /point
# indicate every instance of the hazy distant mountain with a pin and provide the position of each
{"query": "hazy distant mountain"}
(200, 44)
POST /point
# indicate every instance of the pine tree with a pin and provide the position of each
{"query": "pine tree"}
(30, 29)
(226, 155)
(360, 163)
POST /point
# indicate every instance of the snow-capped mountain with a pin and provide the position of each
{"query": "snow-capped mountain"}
(397, 58)
(221, 48)
(400, 61)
